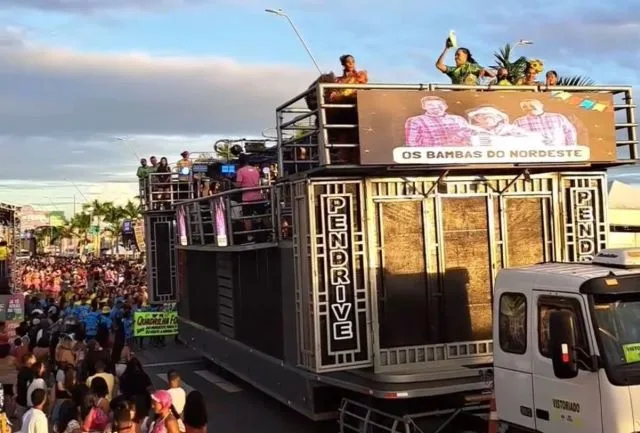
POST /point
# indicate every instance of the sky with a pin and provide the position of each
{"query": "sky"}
(88, 86)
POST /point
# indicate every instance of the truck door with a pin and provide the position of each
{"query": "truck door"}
(562, 405)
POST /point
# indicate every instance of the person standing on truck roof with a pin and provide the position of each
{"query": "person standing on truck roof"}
(466, 71)
(248, 176)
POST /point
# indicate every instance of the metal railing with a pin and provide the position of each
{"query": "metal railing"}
(161, 191)
(307, 130)
(225, 219)
(356, 417)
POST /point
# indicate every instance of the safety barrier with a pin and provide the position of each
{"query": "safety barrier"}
(227, 218)
(161, 191)
(306, 124)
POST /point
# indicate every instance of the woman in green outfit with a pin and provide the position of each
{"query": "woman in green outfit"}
(466, 71)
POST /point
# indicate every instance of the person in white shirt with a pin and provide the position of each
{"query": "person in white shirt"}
(34, 420)
(178, 395)
(37, 383)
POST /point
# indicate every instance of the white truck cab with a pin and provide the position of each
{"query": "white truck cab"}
(567, 345)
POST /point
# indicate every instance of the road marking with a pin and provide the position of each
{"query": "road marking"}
(187, 388)
(218, 381)
(167, 364)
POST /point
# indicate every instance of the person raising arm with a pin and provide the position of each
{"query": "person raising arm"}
(466, 71)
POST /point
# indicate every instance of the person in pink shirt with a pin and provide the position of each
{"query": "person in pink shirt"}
(248, 176)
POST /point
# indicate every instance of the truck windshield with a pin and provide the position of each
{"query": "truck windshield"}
(617, 323)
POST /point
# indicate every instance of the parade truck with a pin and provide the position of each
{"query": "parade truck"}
(361, 284)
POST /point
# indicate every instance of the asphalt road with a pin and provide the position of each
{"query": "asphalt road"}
(234, 406)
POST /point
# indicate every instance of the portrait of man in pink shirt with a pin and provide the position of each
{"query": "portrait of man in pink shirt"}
(556, 129)
(436, 127)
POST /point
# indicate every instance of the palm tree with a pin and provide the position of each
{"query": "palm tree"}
(516, 68)
(80, 224)
(223, 151)
(114, 216)
(96, 208)
(132, 210)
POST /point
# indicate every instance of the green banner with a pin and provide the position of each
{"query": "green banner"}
(56, 219)
(155, 324)
(631, 352)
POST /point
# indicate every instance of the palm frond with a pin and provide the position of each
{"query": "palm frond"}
(575, 81)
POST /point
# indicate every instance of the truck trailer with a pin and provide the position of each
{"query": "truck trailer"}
(361, 285)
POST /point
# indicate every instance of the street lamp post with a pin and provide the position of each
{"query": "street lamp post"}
(281, 13)
(520, 43)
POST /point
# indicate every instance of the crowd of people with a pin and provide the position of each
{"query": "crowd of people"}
(73, 360)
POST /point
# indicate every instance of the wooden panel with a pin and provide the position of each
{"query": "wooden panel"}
(525, 232)
(466, 282)
(402, 292)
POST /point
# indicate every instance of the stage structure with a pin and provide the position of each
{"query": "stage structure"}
(10, 238)
(365, 274)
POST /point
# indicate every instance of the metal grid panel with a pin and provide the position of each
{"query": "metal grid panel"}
(226, 311)
(10, 231)
(338, 301)
(304, 300)
(497, 190)
(152, 221)
(585, 216)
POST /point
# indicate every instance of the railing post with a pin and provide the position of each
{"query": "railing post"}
(279, 119)
(214, 223)
(228, 220)
(324, 157)
(272, 204)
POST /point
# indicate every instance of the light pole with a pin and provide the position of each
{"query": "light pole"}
(520, 43)
(281, 13)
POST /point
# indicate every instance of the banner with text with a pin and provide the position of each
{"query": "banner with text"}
(11, 312)
(445, 127)
(155, 324)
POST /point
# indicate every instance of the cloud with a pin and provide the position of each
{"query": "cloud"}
(93, 6)
(590, 38)
(72, 93)
(86, 6)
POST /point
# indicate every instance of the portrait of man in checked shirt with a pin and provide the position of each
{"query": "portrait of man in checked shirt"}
(436, 127)
(556, 128)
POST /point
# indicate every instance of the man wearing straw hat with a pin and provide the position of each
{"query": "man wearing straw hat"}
(490, 127)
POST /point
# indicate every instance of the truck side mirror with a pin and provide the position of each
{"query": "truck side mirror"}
(562, 344)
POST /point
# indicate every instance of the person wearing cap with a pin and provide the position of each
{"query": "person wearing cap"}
(165, 421)
(105, 319)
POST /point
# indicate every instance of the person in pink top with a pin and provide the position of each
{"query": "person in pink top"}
(248, 176)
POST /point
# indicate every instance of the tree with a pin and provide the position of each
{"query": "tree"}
(516, 68)
(223, 151)
(114, 217)
(80, 224)
(132, 210)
